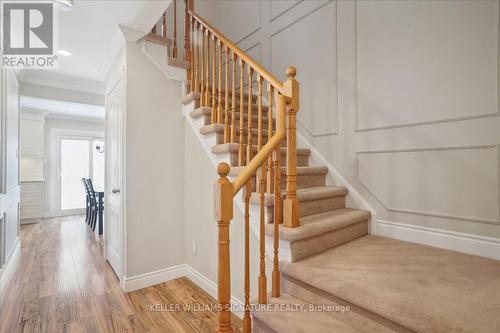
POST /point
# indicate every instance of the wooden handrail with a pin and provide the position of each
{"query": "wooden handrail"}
(241, 54)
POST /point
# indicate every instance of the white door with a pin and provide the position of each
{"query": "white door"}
(113, 229)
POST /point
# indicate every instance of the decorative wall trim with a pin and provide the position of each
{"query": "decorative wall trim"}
(451, 240)
(7, 268)
(150, 279)
(283, 12)
(397, 210)
(422, 123)
(281, 29)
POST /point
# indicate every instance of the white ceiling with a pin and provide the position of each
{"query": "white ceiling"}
(62, 109)
(90, 31)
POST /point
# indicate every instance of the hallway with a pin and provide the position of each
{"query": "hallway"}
(61, 283)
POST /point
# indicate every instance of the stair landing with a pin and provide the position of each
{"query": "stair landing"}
(418, 287)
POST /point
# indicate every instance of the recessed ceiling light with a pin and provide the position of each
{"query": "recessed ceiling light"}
(64, 52)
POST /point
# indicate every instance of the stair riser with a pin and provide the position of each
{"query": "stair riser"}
(311, 207)
(307, 247)
(302, 160)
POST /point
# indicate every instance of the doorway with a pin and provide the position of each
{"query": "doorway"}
(78, 155)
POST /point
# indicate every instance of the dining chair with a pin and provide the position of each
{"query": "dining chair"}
(94, 205)
(87, 201)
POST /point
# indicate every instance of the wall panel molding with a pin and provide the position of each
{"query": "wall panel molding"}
(390, 208)
(357, 128)
(281, 29)
(282, 12)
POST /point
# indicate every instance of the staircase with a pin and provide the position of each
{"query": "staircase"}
(336, 277)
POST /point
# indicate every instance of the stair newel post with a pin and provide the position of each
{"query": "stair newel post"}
(270, 181)
(278, 211)
(241, 150)
(233, 100)
(223, 211)
(226, 98)
(174, 48)
(291, 203)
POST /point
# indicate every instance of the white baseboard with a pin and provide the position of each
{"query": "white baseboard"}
(450, 240)
(7, 268)
(150, 279)
(211, 288)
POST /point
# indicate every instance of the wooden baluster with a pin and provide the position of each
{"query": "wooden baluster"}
(249, 148)
(291, 204)
(223, 196)
(194, 66)
(201, 33)
(247, 323)
(226, 99)
(164, 25)
(207, 76)
(214, 83)
(220, 117)
(262, 191)
(187, 43)
(278, 208)
(270, 180)
(197, 56)
(174, 48)
(233, 101)
(241, 150)
(153, 31)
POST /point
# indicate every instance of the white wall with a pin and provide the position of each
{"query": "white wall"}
(154, 167)
(401, 97)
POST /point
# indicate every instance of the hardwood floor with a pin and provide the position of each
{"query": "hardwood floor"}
(61, 283)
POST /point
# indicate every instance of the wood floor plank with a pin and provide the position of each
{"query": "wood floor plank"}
(61, 283)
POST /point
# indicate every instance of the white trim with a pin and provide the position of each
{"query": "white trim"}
(450, 240)
(210, 288)
(152, 278)
(6, 269)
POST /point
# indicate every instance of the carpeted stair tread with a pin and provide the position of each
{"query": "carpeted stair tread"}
(310, 321)
(322, 223)
(423, 288)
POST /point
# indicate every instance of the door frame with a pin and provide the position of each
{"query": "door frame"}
(56, 135)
